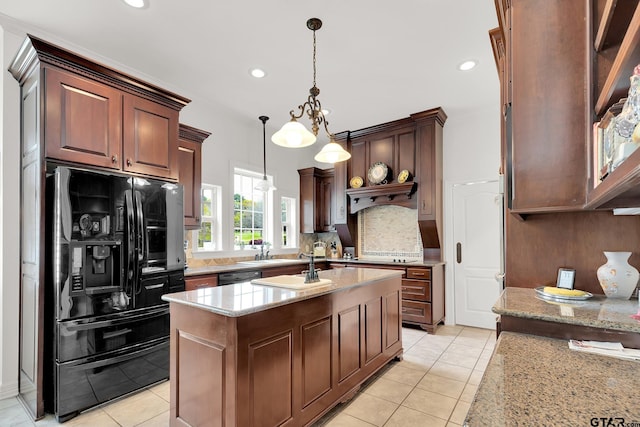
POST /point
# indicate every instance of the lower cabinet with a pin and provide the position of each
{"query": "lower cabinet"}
(422, 292)
(423, 297)
(198, 282)
(285, 366)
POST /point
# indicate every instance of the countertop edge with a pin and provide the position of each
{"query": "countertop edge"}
(298, 295)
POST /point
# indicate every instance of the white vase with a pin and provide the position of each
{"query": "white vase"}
(617, 278)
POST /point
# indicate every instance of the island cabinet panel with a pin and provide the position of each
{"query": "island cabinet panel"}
(270, 374)
(84, 120)
(349, 339)
(393, 325)
(316, 360)
(283, 366)
(373, 329)
(203, 395)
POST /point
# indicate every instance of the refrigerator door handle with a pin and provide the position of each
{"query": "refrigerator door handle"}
(140, 227)
(132, 277)
(88, 324)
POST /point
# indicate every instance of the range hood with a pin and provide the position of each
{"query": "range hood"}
(396, 194)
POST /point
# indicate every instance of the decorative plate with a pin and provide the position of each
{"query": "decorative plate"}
(356, 182)
(378, 173)
(404, 176)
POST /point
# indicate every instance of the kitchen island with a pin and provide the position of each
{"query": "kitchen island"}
(253, 355)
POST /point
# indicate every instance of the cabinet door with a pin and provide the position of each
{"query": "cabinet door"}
(150, 138)
(83, 120)
(189, 175)
(550, 115)
(199, 282)
(327, 204)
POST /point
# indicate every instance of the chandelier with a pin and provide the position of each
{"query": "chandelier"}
(295, 135)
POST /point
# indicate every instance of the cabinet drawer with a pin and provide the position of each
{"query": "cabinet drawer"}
(416, 289)
(419, 273)
(201, 282)
(414, 311)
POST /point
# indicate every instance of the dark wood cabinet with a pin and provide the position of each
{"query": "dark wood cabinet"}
(190, 172)
(548, 116)
(422, 292)
(413, 144)
(199, 282)
(317, 203)
(76, 111)
(96, 124)
(283, 366)
(83, 120)
(150, 138)
(423, 297)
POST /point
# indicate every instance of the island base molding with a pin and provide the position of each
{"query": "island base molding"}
(566, 331)
(284, 366)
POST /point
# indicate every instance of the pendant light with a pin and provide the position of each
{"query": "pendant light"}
(264, 185)
(295, 135)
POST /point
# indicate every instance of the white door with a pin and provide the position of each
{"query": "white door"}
(477, 234)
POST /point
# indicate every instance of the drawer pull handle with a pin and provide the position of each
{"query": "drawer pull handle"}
(418, 274)
(458, 252)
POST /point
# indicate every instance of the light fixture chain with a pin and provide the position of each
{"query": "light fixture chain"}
(314, 58)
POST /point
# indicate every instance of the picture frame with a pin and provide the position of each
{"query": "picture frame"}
(566, 278)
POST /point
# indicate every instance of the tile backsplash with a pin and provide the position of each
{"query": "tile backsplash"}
(387, 232)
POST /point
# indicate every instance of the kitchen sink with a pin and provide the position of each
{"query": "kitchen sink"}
(289, 281)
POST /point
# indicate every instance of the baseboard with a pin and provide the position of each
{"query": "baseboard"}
(8, 390)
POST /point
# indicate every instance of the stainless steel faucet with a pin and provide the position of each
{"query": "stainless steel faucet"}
(311, 275)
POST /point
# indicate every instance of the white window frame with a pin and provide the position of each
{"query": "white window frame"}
(290, 222)
(267, 211)
(215, 219)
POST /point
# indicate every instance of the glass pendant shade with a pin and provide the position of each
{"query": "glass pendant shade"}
(293, 135)
(332, 153)
(264, 185)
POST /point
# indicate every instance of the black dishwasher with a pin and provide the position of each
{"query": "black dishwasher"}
(238, 276)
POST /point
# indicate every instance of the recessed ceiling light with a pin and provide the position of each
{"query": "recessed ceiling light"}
(258, 73)
(138, 4)
(467, 65)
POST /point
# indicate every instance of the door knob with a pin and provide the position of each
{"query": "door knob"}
(129, 162)
(114, 159)
(499, 277)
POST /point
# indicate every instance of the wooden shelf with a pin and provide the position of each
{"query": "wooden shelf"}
(385, 194)
(616, 85)
(620, 189)
(616, 17)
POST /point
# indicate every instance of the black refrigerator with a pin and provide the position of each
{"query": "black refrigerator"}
(116, 247)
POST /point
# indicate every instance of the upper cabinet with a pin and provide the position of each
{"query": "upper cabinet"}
(547, 117)
(97, 116)
(412, 144)
(317, 202)
(617, 46)
(190, 172)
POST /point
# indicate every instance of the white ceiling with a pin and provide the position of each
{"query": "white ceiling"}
(376, 60)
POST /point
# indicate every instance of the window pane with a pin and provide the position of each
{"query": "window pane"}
(204, 236)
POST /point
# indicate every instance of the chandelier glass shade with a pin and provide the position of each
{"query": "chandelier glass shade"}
(295, 135)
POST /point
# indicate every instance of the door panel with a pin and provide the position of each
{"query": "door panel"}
(477, 212)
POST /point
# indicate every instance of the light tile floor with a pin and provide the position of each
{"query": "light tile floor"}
(432, 386)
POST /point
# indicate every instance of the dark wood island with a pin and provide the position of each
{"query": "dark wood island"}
(253, 355)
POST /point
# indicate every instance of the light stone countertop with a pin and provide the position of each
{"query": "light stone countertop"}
(245, 298)
(281, 262)
(538, 381)
(598, 311)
